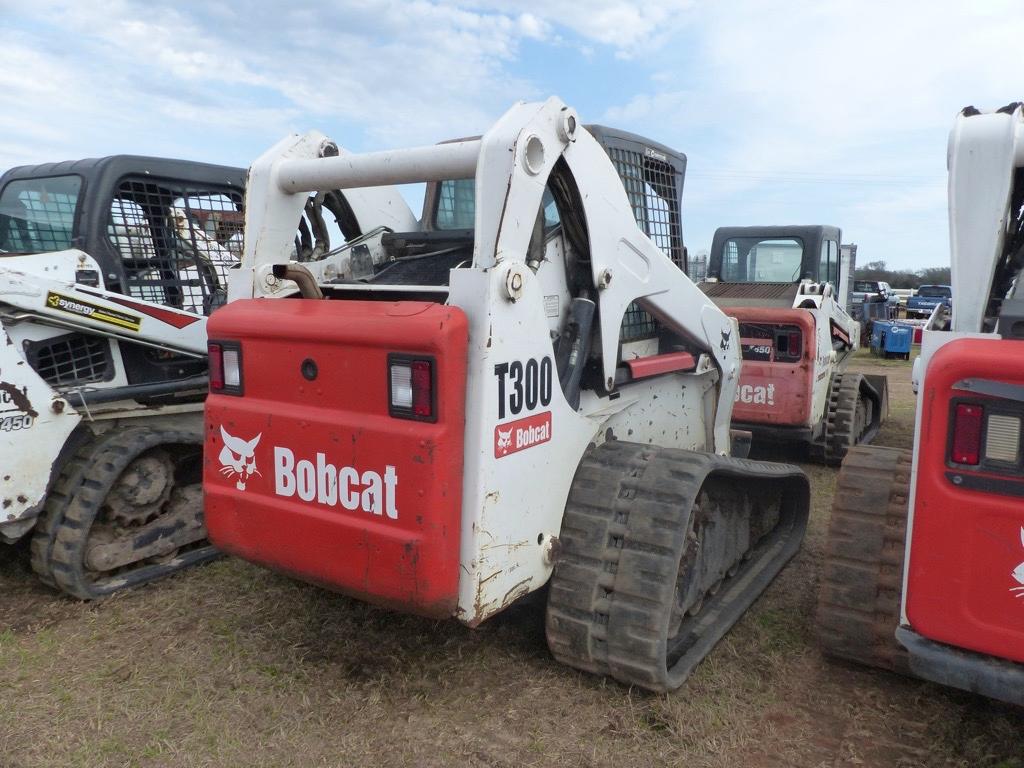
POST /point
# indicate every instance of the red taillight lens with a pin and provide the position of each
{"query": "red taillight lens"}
(225, 364)
(967, 433)
(794, 343)
(422, 389)
(216, 352)
(411, 388)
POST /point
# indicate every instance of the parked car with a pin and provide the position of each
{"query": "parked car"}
(927, 298)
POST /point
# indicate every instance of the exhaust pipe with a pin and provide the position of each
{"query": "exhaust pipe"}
(301, 276)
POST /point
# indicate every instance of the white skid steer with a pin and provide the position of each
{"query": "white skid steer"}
(462, 423)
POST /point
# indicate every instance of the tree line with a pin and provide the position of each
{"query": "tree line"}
(900, 278)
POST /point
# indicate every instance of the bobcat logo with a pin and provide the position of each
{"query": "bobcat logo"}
(726, 336)
(238, 457)
(1018, 572)
(505, 442)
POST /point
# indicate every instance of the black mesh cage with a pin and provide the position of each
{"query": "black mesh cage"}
(652, 188)
(652, 176)
(176, 242)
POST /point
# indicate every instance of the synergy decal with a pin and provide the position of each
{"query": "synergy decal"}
(92, 311)
(1018, 572)
(523, 386)
(238, 457)
(522, 434)
(330, 485)
(755, 394)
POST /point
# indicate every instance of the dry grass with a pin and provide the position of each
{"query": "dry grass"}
(232, 665)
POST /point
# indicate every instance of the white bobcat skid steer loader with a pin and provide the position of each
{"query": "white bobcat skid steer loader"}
(463, 423)
(108, 269)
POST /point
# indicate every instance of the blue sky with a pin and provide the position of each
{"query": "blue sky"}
(789, 112)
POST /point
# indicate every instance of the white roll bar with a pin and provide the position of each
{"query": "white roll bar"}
(438, 162)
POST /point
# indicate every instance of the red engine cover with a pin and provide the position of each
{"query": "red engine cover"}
(313, 476)
(776, 393)
(966, 544)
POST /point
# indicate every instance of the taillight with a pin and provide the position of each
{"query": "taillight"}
(967, 433)
(225, 363)
(411, 388)
(1002, 438)
(794, 343)
(216, 353)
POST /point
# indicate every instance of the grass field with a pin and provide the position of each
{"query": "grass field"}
(230, 665)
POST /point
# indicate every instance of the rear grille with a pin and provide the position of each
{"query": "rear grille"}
(751, 290)
(71, 359)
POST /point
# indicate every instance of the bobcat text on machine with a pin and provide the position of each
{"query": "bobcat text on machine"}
(788, 286)
(108, 269)
(924, 570)
(463, 423)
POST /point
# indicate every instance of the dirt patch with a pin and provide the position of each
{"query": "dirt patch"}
(231, 665)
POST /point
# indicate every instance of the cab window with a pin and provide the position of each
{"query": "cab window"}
(38, 215)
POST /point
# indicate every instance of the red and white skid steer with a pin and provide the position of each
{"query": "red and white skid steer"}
(924, 571)
(788, 287)
(455, 422)
(108, 270)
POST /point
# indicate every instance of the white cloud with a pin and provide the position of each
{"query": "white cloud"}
(856, 96)
(772, 103)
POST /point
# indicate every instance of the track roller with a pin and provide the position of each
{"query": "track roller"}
(662, 552)
(126, 510)
(861, 584)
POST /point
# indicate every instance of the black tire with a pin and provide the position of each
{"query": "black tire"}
(62, 534)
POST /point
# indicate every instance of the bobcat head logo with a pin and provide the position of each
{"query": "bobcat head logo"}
(238, 457)
(505, 442)
(1018, 572)
(726, 336)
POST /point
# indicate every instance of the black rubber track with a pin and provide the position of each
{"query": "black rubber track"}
(44, 534)
(61, 535)
(862, 579)
(623, 535)
(840, 433)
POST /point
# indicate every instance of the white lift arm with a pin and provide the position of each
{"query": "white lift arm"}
(983, 154)
(511, 164)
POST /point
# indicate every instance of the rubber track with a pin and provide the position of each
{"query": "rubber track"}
(44, 534)
(862, 580)
(622, 537)
(58, 547)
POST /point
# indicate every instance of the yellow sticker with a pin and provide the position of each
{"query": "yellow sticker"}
(93, 311)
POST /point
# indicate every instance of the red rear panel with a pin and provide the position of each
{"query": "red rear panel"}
(776, 381)
(307, 472)
(966, 572)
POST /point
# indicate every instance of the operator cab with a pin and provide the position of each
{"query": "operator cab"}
(652, 175)
(156, 229)
(152, 229)
(765, 266)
